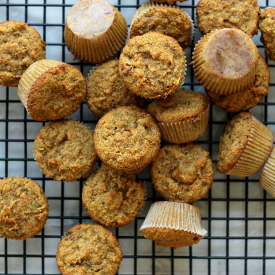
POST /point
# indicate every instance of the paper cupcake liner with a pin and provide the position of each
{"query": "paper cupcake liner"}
(268, 174)
(174, 215)
(256, 151)
(187, 130)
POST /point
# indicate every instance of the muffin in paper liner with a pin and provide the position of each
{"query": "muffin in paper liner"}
(268, 174)
(51, 90)
(173, 224)
(94, 30)
(225, 61)
(170, 20)
(244, 146)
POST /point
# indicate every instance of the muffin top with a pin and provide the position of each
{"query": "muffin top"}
(113, 198)
(169, 1)
(247, 99)
(178, 106)
(107, 91)
(20, 46)
(88, 249)
(152, 65)
(182, 173)
(64, 150)
(212, 15)
(23, 208)
(127, 139)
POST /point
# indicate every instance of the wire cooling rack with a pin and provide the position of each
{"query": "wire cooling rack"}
(237, 213)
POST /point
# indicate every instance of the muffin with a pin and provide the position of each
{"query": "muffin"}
(23, 208)
(88, 249)
(51, 90)
(225, 61)
(212, 15)
(106, 90)
(64, 150)
(169, 1)
(127, 139)
(94, 30)
(152, 65)
(266, 26)
(152, 16)
(173, 224)
(113, 198)
(182, 173)
(182, 117)
(247, 99)
(244, 146)
(20, 46)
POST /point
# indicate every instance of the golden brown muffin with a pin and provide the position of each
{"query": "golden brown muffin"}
(107, 91)
(88, 249)
(244, 146)
(23, 208)
(266, 26)
(127, 139)
(247, 99)
(94, 30)
(163, 18)
(113, 198)
(182, 116)
(20, 46)
(51, 90)
(169, 1)
(213, 15)
(173, 224)
(182, 173)
(225, 61)
(64, 150)
(152, 65)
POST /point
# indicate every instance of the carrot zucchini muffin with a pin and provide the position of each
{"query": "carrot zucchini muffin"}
(225, 61)
(113, 198)
(247, 99)
(23, 208)
(169, 1)
(173, 224)
(266, 26)
(88, 249)
(163, 18)
(152, 65)
(51, 90)
(213, 15)
(244, 146)
(182, 173)
(94, 30)
(106, 90)
(182, 116)
(20, 46)
(127, 139)
(64, 150)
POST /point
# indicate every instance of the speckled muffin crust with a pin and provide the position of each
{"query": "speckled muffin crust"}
(107, 91)
(163, 18)
(244, 146)
(88, 249)
(247, 99)
(169, 1)
(23, 208)
(182, 173)
(64, 150)
(152, 65)
(20, 46)
(51, 90)
(127, 139)
(213, 14)
(113, 198)
(266, 26)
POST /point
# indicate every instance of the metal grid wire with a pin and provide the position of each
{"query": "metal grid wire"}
(237, 213)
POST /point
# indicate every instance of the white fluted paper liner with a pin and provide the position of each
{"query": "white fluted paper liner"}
(267, 177)
(256, 152)
(174, 215)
